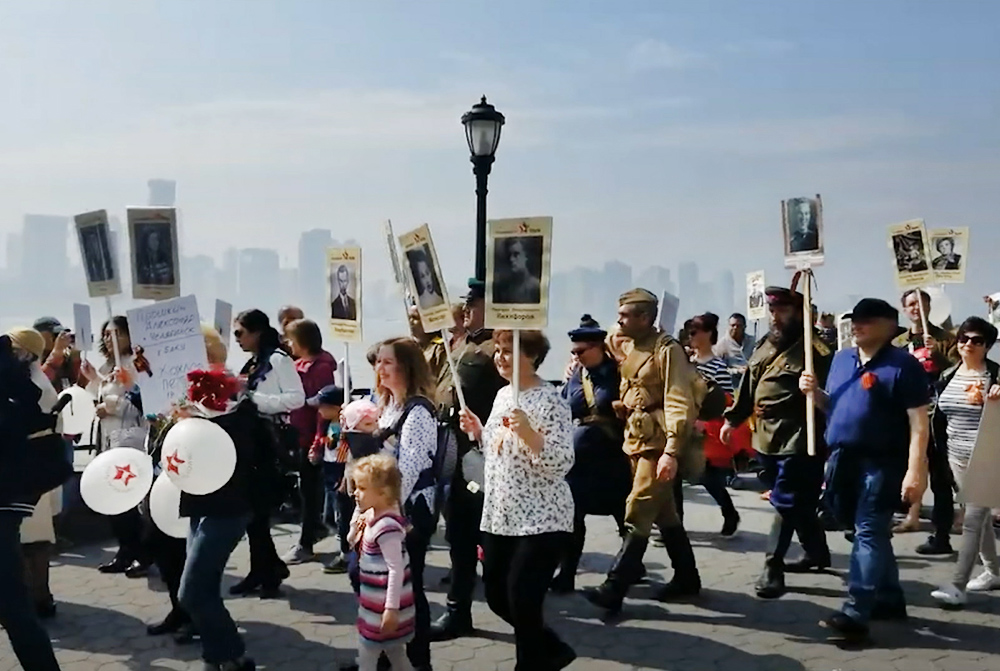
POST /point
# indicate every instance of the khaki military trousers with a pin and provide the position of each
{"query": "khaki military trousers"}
(650, 501)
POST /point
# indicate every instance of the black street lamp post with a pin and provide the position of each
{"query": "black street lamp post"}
(482, 131)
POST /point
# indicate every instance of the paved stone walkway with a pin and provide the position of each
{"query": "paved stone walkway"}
(101, 622)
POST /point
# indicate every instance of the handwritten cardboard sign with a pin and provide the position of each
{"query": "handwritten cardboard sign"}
(168, 345)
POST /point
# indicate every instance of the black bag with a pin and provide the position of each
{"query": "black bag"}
(285, 440)
(714, 405)
(46, 463)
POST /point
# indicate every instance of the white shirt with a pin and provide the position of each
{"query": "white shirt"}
(281, 390)
(527, 494)
(414, 449)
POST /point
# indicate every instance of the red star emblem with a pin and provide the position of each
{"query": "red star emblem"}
(523, 227)
(172, 462)
(124, 473)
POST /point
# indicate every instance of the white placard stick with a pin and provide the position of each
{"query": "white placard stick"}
(347, 373)
(515, 381)
(808, 344)
(114, 332)
(446, 338)
(923, 314)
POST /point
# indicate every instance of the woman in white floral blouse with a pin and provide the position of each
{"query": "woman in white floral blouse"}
(528, 507)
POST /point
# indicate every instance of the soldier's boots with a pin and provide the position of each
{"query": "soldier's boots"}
(455, 623)
(771, 584)
(624, 573)
(686, 583)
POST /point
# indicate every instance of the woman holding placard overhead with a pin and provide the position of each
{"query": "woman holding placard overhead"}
(528, 507)
(121, 423)
(275, 388)
(963, 390)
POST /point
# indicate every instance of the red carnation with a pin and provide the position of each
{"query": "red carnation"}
(212, 388)
(868, 380)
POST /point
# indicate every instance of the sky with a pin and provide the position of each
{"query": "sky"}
(652, 131)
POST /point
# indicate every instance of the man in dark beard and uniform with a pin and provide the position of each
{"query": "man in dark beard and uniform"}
(770, 393)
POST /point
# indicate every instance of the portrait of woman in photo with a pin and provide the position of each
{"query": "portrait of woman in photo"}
(947, 258)
(425, 280)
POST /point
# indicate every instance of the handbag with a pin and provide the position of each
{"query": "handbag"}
(474, 470)
(285, 440)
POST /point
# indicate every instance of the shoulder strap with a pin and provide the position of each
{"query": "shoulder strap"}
(414, 402)
(588, 390)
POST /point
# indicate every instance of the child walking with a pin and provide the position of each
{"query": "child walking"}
(378, 531)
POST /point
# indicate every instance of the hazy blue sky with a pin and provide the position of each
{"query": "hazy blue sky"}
(653, 131)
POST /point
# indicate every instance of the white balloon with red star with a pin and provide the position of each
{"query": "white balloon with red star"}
(198, 456)
(116, 481)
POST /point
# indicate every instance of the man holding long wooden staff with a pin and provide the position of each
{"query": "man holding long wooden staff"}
(770, 393)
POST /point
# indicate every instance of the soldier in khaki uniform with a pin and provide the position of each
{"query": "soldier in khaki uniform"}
(770, 395)
(432, 345)
(659, 406)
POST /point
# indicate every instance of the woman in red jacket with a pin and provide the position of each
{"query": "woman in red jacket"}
(316, 367)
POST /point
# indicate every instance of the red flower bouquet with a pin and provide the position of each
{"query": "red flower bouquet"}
(212, 388)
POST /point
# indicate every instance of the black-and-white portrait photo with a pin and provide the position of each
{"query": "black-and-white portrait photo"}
(154, 254)
(947, 255)
(425, 278)
(802, 221)
(908, 249)
(343, 291)
(95, 245)
(517, 264)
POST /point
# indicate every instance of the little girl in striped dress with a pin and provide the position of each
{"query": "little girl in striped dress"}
(378, 529)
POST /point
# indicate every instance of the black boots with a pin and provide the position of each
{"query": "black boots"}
(455, 623)
(771, 584)
(565, 580)
(686, 582)
(624, 573)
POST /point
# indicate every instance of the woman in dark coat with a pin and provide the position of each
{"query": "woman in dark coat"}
(601, 477)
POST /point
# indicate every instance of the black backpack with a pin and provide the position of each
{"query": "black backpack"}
(445, 456)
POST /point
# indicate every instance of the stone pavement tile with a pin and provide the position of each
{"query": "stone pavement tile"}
(101, 622)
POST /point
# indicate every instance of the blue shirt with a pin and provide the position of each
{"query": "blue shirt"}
(876, 418)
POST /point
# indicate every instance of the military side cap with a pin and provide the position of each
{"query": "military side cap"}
(783, 296)
(588, 331)
(638, 296)
(477, 290)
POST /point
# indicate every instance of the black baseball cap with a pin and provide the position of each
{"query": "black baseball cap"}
(873, 308)
(49, 325)
(331, 395)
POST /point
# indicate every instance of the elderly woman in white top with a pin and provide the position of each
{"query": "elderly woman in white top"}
(528, 507)
(275, 388)
(121, 423)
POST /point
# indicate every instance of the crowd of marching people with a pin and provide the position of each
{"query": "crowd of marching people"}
(511, 465)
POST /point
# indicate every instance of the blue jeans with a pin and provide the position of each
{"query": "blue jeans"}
(18, 616)
(209, 546)
(339, 506)
(873, 578)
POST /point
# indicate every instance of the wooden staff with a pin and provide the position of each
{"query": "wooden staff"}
(808, 343)
(923, 314)
(515, 382)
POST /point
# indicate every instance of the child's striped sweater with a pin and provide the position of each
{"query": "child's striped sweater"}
(385, 580)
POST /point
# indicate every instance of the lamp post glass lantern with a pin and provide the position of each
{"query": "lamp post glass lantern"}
(483, 124)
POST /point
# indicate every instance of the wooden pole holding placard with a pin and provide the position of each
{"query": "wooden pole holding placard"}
(114, 333)
(515, 378)
(923, 314)
(809, 368)
(347, 372)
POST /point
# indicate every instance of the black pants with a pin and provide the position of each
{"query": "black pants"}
(417, 541)
(574, 546)
(943, 512)
(311, 500)
(128, 531)
(169, 555)
(465, 512)
(517, 571)
(264, 560)
(714, 481)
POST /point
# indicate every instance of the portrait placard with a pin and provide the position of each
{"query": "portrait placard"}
(343, 273)
(949, 254)
(756, 300)
(670, 307)
(802, 229)
(424, 278)
(911, 258)
(223, 320)
(993, 308)
(845, 334)
(82, 327)
(390, 243)
(168, 345)
(97, 255)
(154, 245)
(518, 270)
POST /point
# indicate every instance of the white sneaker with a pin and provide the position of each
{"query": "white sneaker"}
(949, 595)
(984, 582)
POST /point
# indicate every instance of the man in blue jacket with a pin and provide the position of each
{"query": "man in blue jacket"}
(18, 616)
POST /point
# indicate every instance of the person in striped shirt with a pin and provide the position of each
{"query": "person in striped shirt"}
(386, 614)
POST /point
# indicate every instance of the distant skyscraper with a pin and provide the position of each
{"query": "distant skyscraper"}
(162, 192)
(687, 278)
(260, 279)
(45, 253)
(727, 293)
(312, 268)
(617, 280)
(198, 277)
(657, 279)
(227, 277)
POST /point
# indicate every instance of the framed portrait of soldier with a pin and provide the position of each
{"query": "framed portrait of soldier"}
(425, 281)
(910, 254)
(949, 254)
(518, 271)
(756, 301)
(97, 255)
(154, 246)
(845, 332)
(343, 273)
(802, 228)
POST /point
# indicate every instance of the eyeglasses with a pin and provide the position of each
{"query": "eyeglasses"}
(578, 351)
(973, 339)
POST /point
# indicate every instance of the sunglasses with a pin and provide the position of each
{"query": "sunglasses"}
(238, 333)
(973, 339)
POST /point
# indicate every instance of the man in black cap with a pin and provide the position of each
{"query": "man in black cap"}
(480, 383)
(876, 403)
(769, 393)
